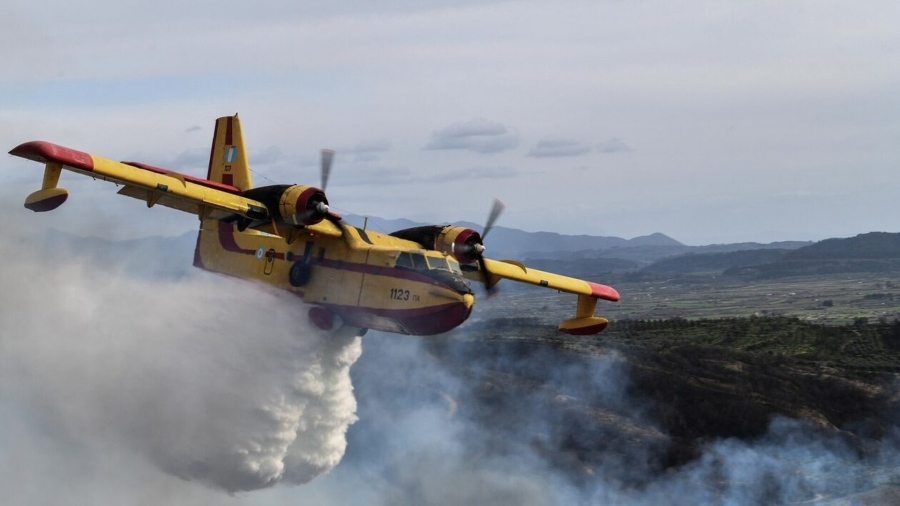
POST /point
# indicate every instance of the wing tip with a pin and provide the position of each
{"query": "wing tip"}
(603, 292)
(43, 152)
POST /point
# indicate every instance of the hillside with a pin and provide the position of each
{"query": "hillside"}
(874, 252)
(647, 398)
(715, 262)
(685, 387)
(873, 245)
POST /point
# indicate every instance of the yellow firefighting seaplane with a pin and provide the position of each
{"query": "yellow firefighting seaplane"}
(413, 281)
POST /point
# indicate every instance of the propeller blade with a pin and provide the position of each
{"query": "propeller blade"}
(496, 210)
(489, 284)
(327, 158)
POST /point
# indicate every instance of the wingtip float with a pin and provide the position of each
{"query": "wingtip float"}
(413, 281)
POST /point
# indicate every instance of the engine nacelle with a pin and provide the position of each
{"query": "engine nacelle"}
(462, 243)
(292, 204)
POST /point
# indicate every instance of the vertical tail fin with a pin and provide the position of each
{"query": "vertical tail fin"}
(227, 164)
(228, 158)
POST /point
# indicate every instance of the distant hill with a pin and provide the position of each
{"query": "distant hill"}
(582, 255)
(870, 252)
(873, 245)
(707, 262)
(513, 243)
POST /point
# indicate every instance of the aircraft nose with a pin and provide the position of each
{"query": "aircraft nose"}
(469, 300)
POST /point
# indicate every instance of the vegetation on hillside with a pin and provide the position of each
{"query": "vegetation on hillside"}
(690, 380)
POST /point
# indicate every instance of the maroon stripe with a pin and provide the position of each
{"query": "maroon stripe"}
(226, 187)
(198, 260)
(391, 272)
(43, 152)
(586, 331)
(228, 130)
(228, 179)
(47, 204)
(228, 243)
(212, 151)
(418, 321)
(226, 239)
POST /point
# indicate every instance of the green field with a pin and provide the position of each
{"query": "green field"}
(836, 299)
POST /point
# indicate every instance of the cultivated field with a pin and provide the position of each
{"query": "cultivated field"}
(834, 299)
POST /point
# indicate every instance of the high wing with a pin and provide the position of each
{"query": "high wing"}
(155, 186)
(207, 199)
(584, 323)
(510, 269)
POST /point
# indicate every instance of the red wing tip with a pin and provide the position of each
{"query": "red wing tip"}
(32, 150)
(603, 292)
(43, 152)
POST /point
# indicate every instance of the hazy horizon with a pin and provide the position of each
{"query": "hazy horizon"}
(709, 122)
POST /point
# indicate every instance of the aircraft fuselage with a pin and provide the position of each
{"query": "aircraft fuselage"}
(370, 280)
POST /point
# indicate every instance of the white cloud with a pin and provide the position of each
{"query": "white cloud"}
(555, 148)
(700, 90)
(477, 135)
(613, 145)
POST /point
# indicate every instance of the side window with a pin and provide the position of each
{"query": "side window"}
(419, 261)
(404, 260)
(454, 265)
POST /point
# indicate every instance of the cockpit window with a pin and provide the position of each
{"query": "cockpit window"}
(418, 261)
(422, 262)
(440, 263)
(404, 260)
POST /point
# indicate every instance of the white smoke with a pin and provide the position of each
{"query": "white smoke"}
(222, 382)
(209, 378)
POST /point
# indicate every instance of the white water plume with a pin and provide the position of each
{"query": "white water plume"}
(208, 378)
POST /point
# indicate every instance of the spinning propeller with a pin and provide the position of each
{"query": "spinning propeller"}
(327, 158)
(317, 207)
(478, 248)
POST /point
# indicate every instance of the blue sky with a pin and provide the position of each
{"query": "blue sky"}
(707, 121)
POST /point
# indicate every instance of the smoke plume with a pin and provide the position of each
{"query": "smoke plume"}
(118, 387)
